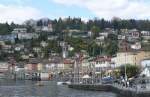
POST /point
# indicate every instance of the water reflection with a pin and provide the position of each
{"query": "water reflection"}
(50, 89)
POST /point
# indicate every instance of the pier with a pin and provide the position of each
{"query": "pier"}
(120, 91)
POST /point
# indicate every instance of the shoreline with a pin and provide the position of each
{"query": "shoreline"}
(111, 88)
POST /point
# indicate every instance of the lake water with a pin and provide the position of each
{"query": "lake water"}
(50, 89)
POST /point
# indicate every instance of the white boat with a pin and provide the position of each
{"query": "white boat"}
(64, 83)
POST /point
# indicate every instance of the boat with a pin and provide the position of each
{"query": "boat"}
(64, 83)
(39, 84)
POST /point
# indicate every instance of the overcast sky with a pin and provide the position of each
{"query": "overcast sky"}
(21, 10)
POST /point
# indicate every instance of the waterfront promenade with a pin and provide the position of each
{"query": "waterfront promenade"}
(136, 91)
(135, 88)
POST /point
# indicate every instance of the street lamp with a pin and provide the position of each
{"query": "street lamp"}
(126, 78)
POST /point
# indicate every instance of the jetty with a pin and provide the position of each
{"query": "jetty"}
(115, 88)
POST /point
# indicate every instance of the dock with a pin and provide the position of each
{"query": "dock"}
(120, 91)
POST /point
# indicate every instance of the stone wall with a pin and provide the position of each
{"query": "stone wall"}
(110, 88)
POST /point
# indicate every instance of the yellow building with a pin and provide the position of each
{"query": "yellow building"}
(131, 57)
(40, 67)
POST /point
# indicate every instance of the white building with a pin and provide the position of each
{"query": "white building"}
(121, 37)
(27, 36)
(145, 63)
(19, 30)
(105, 34)
(102, 63)
(146, 72)
(136, 46)
(145, 34)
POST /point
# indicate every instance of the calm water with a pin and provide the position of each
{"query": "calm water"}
(50, 89)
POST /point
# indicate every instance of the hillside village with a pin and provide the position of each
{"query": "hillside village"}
(44, 46)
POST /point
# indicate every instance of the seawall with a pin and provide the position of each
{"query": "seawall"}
(110, 88)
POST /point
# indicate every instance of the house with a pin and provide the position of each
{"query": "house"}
(133, 35)
(78, 33)
(44, 24)
(124, 30)
(55, 63)
(47, 28)
(104, 34)
(19, 30)
(21, 33)
(145, 35)
(123, 45)
(68, 64)
(121, 37)
(19, 67)
(32, 65)
(102, 63)
(9, 37)
(100, 38)
(4, 69)
(27, 36)
(109, 31)
(7, 49)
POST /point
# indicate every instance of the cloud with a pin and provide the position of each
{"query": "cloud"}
(18, 14)
(113, 8)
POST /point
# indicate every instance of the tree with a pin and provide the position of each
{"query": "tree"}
(93, 49)
(95, 31)
(111, 48)
(132, 70)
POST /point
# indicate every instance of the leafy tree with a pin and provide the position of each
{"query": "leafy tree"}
(111, 48)
(132, 70)
(95, 31)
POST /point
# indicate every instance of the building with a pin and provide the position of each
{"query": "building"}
(133, 35)
(104, 34)
(9, 37)
(131, 57)
(146, 72)
(48, 28)
(68, 64)
(65, 49)
(19, 47)
(136, 46)
(32, 65)
(19, 30)
(145, 63)
(4, 67)
(145, 35)
(78, 33)
(27, 36)
(121, 37)
(102, 63)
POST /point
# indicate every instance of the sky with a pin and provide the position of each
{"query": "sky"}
(20, 10)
